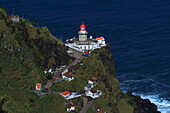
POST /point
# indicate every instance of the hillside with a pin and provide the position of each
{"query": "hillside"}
(24, 53)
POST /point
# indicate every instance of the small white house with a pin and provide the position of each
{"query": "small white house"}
(47, 70)
(13, 18)
(70, 107)
(38, 86)
(67, 76)
(94, 93)
(101, 41)
(70, 95)
(93, 80)
(66, 94)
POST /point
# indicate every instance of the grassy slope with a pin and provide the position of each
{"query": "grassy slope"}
(101, 65)
(17, 76)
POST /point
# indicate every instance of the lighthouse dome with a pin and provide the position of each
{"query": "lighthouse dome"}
(82, 25)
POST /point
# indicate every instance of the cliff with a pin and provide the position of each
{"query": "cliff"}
(25, 51)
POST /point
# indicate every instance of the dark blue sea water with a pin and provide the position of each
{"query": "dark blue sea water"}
(138, 32)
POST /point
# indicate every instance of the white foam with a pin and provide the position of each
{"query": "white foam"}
(163, 105)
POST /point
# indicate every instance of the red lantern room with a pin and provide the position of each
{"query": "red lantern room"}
(82, 27)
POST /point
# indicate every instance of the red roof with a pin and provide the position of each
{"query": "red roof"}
(66, 93)
(46, 69)
(93, 90)
(38, 84)
(10, 17)
(82, 25)
(93, 79)
(101, 110)
(101, 38)
(68, 74)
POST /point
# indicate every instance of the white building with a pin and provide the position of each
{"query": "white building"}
(93, 93)
(91, 83)
(70, 95)
(65, 94)
(67, 76)
(70, 107)
(83, 42)
(93, 80)
(47, 70)
(13, 18)
(101, 41)
(38, 86)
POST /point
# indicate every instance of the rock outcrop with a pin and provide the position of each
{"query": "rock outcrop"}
(143, 105)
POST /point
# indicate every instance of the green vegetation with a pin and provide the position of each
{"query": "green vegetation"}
(24, 53)
(99, 64)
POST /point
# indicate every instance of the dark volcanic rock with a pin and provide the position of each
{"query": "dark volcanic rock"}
(143, 105)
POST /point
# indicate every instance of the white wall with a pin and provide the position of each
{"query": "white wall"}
(90, 82)
(66, 70)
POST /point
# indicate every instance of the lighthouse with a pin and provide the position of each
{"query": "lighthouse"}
(82, 33)
(82, 43)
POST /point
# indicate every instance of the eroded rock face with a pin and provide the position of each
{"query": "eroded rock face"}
(143, 105)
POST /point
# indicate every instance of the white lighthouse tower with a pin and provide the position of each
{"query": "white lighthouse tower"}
(82, 33)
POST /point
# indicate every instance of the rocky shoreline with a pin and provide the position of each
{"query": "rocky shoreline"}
(143, 105)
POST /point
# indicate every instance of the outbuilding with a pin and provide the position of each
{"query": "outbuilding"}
(70, 107)
(93, 81)
(38, 86)
(66, 94)
(68, 76)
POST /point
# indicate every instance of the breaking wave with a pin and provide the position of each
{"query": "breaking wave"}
(162, 104)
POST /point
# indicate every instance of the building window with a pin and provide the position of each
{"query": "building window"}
(82, 28)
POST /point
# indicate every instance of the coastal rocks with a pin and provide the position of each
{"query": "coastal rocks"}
(143, 105)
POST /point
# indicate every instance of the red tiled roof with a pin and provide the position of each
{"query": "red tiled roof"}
(93, 79)
(93, 90)
(101, 110)
(10, 17)
(38, 84)
(82, 25)
(101, 38)
(68, 74)
(66, 93)
(46, 69)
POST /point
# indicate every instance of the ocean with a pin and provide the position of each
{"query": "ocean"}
(137, 31)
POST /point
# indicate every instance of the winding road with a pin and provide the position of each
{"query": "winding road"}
(86, 106)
